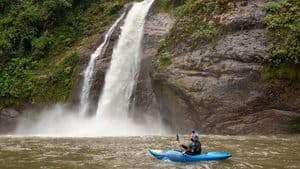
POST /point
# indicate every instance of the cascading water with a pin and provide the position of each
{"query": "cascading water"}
(89, 71)
(122, 74)
(114, 101)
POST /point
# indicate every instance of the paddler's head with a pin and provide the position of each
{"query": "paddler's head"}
(194, 136)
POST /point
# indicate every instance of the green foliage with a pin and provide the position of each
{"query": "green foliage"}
(207, 31)
(38, 42)
(162, 61)
(5, 4)
(164, 5)
(284, 71)
(273, 6)
(56, 85)
(113, 7)
(167, 5)
(283, 30)
(25, 22)
(19, 82)
(195, 23)
(41, 46)
(13, 76)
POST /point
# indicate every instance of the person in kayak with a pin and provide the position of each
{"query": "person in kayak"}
(194, 147)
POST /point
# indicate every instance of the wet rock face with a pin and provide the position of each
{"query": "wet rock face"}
(217, 88)
(85, 52)
(102, 65)
(8, 119)
(144, 104)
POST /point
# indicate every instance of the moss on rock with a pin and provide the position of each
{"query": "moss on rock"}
(195, 24)
(283, 30)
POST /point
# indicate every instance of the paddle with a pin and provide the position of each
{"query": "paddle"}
(178, 140)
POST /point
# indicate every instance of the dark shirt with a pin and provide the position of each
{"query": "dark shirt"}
(195, 147)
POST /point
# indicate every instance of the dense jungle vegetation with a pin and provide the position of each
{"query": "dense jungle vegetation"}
(38, 41)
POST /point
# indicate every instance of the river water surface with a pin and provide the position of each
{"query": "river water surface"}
(131, 152)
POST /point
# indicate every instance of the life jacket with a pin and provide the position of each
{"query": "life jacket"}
(195, 147)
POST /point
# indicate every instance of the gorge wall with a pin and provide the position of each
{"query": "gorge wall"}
(216, 86)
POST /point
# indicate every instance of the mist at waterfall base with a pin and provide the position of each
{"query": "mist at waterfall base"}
(59, 121)
(111, 118)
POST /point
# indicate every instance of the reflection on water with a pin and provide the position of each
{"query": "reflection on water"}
(131, 152)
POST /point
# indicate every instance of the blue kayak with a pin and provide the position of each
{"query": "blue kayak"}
(178, 156)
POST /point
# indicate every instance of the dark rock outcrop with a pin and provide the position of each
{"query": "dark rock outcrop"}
(218, 87)
(8, 119)
(85, 52)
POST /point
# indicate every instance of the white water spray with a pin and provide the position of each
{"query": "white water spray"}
(58, 121)
(89, 71)
(122, 74)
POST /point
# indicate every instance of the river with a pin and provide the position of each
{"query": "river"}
(131, 152)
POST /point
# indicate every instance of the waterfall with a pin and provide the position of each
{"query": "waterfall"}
(89, 71)
(122, 74)
(113, 105)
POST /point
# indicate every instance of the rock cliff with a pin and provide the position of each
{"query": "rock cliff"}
(217, 87)
(145, 103)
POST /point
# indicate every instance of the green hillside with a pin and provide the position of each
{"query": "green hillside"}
(37, 45)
